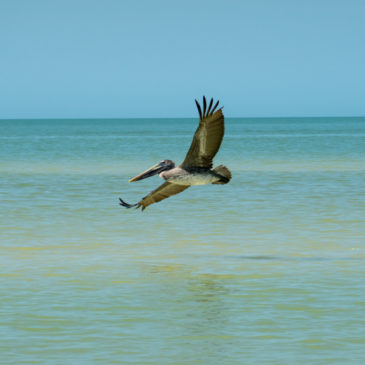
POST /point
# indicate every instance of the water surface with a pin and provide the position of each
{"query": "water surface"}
(268, 269)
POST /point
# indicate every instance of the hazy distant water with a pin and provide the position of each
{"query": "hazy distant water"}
(269, 269)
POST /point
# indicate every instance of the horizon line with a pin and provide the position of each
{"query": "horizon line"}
(227, 117)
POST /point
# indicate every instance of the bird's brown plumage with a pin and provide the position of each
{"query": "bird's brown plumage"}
(207, 138)
(206, 142)
(162, 192)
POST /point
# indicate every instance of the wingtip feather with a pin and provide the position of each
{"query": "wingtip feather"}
(204, 106)
(125, 204)
(215, 106)
(199, 108)
(210, 106)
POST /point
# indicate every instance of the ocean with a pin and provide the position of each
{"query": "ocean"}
(268, 269)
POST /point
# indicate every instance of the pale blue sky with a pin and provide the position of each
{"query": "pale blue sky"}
(109, 58)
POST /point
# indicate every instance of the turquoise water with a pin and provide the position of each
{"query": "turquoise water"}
(268, 269)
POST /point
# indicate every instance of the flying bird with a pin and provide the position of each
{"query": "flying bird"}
(197, 166)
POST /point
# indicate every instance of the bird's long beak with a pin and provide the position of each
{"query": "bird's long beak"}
(155, 169)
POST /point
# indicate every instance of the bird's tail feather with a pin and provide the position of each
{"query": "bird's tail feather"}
(224, 173)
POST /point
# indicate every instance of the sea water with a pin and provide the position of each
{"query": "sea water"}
(268, 269)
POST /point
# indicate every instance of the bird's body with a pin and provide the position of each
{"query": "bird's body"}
(181, 176)
(197, 166)
(193, 176)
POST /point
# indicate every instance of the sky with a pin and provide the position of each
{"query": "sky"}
(144, 58)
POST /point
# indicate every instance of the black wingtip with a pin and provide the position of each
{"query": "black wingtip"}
(207, 111)
(126, 205)
(210, 106)
(204, 106)
(215, 106)
(199, 108)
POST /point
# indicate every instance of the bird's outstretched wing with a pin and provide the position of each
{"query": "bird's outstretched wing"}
(162, 192)
(207, 138)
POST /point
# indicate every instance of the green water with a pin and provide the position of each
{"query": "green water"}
(269, 269)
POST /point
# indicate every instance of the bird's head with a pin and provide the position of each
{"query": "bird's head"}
(155, 169)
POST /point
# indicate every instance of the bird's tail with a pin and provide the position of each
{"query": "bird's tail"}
(224, 173)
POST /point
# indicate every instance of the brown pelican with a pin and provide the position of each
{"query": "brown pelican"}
(197, 166)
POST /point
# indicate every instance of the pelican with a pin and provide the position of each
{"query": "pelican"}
(197, 166)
